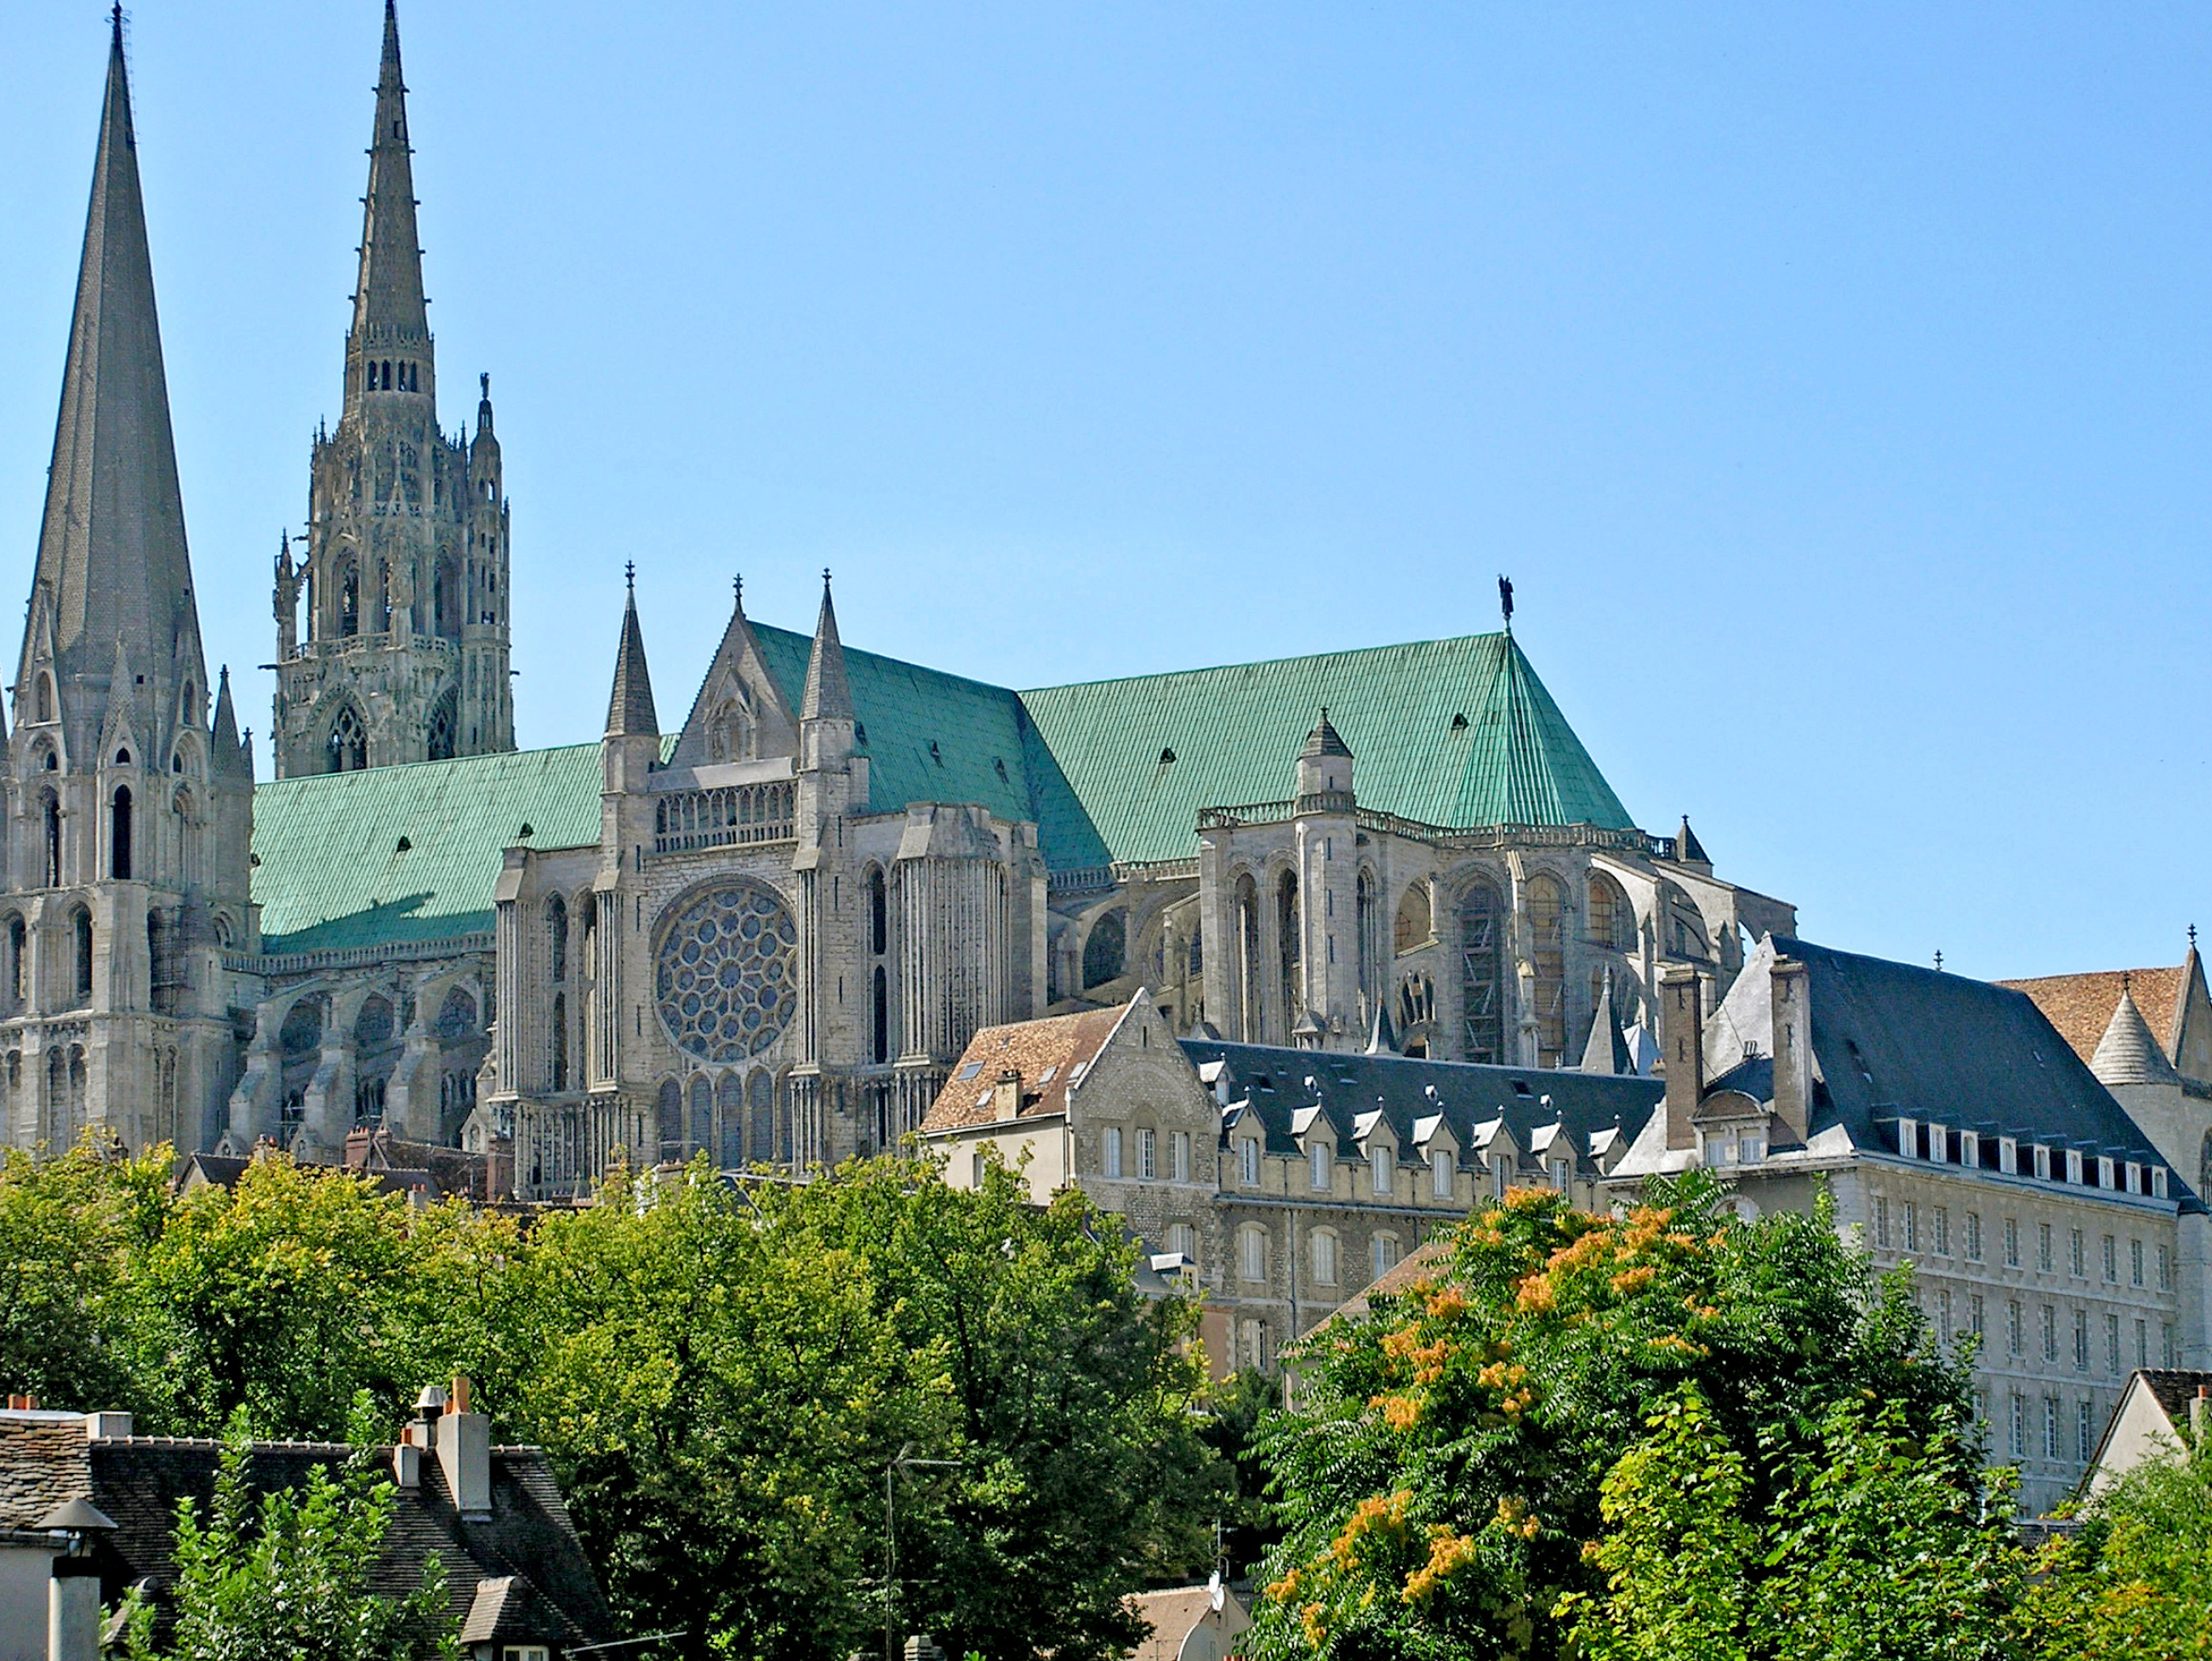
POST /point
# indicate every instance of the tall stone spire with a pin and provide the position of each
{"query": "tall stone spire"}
(629, 710)
(112, 566)
(828, 696)
(387, 302)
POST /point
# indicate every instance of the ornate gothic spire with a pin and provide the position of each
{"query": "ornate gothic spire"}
(387, 303)
(629, 711)
(828, 696)
(112, 557)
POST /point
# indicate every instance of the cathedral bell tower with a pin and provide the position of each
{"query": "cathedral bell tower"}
(129, 811)
(392, 630)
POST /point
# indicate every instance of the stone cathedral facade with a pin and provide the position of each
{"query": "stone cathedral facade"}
(770, 934)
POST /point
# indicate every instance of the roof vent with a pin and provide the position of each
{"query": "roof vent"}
(859, 731)
(934, 754)
(1521, 1088)
(525, 831)
(1459, 723)
(1166, 756)
(404, 845)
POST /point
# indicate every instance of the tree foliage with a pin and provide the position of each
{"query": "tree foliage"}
(288, 1572)
(1653, 1435)
(2134, 1582)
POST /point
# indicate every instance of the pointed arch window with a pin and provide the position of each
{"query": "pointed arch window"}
(1364, 908)
(444, 720)
(556, 937)
(730, 1104)
(348, 599)
(348, 747)
(18, 940)
(1612, 919)
(702, 1115)
(879, 912)
(1414, 927)
(46, 696)
(82, 932)
(52, 816)
(1548, 928)
(446, 600)
(879, 1027)
(760, 1114)
(560, 1041)
(1105, 952)
(118, 837)
(1287, 937)
(1248, 960)
(1481, 980)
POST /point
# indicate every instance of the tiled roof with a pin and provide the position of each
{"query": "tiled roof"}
(1454, 732)
(1893, 1039)
(2174, 1388)
(42, 1462)
(1056, 1045)
(1448, 731)
(1282, 1085)
(2080, 1006)
(329, 872)
(1174, 1613)
(137, 1481)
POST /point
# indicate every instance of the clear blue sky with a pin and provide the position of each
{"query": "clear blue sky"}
(1832, 381)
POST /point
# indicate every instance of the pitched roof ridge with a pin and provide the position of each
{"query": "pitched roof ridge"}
(1264, 663)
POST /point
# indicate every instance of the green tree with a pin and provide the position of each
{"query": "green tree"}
(72, 1227)
(2135, 1580)
(286, 1573)
(1444, 1484)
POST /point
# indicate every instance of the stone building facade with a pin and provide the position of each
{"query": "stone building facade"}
(769, 935)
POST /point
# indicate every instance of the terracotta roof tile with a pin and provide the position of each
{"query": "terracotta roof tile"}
(1046, 1053)
(2080, 1006)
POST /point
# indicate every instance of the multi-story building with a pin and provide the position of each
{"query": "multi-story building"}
(1957, 1132)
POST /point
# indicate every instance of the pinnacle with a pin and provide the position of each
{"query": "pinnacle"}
(829, 696)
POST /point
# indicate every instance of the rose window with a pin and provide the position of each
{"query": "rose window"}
(726, 981)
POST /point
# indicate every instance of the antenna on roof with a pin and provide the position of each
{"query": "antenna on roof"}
(1505, 599)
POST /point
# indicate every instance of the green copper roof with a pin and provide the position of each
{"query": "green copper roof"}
(1449, 732)
(330, 873)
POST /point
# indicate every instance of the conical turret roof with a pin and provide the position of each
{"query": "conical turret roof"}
(2128, 1054)
(829, 696)
(629, 710)
(112, 555)
(1324, 741)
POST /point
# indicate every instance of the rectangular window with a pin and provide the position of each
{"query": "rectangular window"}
(2113, 1345)
(2019, 1426)
(1942, 1219)
(1384, 1169)
(1882, 1221)
(1383, 1251)
(975, 1163)
(2111, 1260)
(2142, 1343)
(2135, 1263)
(1184, 1237)
(2165, 1343)
(2081, 1340)
(1911, 1226)
(1113, 1150)
(2051, 1427)
(1148, 1153)
(2013, 1340)
(2012, 1242)
(2050, 1333)
(1317, 1162)
(2085, 1438)
(1973, 1236)
(1943, 1313)
(1440, 1174)
(1179, 1145)
(1253, 1337)
(2045, 1260)
(1324, 1259)
(1753, 1148)
(2166, 1268)
(1247, 1161)
(2077, 1260)
(1252, 1252)
(1974, 1313)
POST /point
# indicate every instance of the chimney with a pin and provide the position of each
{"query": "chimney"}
(464, 1453)
(106, 1427)
(73, 1590)
(1793, 1050)
(2198, 1410)
(1681, 1029)
(1006, 1095)
(407, 1465)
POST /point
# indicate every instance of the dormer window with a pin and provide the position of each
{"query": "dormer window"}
(1382, 1165)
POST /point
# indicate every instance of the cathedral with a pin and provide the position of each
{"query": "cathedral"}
(771, 934)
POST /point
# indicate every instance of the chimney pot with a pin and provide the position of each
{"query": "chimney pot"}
(459, 1401)
(1682, 1026)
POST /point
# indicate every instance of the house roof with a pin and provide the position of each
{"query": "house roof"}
(1432, 1257)
(2174, 1388)
(1046, 1053)
(2080, 1006)
(1893, 1039)
(1287, 1089)
(1457, 733)
(1174, 1613)
(138, 1482)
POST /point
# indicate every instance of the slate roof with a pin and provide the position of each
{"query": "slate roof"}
(1058, 1044)
(1454, 732)
(1280, 1084)
(137, 1481)
(2080, 1006)
(2173, 1389)
(1894, 1039)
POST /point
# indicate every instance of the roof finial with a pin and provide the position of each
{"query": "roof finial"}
(2192, 937)
(1939, 959)
(630, 577)
(1505, 599)
(2128, 981)
(738, 589)
(825, 579)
